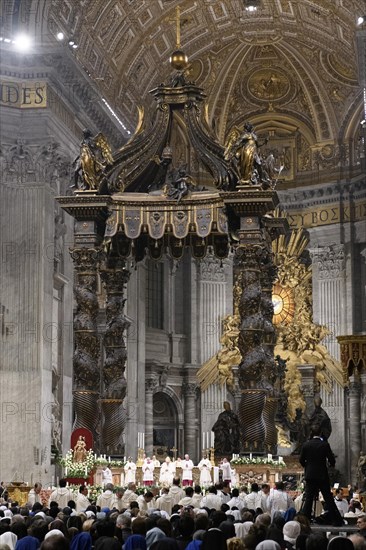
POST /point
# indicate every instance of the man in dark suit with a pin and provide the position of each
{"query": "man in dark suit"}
(314, 456)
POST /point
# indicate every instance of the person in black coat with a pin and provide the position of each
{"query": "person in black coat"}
(314, 456)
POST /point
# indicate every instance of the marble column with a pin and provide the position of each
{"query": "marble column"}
(115, 276)
(329, 293)
(212, 309)
(354, 407)
(190, 415)
(87, 345)
(150, 386)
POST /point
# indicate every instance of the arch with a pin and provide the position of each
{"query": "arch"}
(165, 424)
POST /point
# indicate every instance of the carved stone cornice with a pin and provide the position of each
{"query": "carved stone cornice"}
(330, 261)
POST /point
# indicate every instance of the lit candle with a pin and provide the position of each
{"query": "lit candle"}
(212, 439)
(203, 440)
(143, 441)
(65, 472)
(109, 459)
(250, 456)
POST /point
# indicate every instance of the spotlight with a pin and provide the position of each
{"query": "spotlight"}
(71, 42)
(22, 43)
(361, 20)
(75, 46)
(251, 5)
(60, 36)
(7, 40)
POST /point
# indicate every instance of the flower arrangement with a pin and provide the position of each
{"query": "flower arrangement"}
(84, 468)
(243, 460)
(78, 469)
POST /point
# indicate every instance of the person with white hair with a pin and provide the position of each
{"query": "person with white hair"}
(187, 469)
(167, 472)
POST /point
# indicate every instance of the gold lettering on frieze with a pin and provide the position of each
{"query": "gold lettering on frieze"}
(19, 94)
(328, 216)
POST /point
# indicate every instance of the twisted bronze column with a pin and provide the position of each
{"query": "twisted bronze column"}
(115, 276)
(86, 341)
(248, 294)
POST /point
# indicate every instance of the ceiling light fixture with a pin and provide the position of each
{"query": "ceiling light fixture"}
(22, 43)
(361, 20)
(60, 36)
(251, 5)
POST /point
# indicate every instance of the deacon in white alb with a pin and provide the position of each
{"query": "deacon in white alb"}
(226, 470)
(204, 467)
(130, 471)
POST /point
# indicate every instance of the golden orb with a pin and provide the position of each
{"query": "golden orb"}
(178, 60)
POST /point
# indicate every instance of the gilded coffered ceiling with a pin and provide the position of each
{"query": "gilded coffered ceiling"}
(290, 67)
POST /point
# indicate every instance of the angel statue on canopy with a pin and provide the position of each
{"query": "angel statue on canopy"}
(89, 166)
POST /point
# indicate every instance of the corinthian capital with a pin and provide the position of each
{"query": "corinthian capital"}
(330, 261)
(86, 259)
(151, 384)
(189, 389)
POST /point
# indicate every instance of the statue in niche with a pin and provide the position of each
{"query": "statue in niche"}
(321, 418)
(56, 426)
(227, 432)
(89, 166)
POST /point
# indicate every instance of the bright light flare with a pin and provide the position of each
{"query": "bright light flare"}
(22, 43)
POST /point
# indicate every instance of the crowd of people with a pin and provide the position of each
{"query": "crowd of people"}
(178, 518)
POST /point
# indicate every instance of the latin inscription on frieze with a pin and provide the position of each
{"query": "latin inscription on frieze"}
(23, 94)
